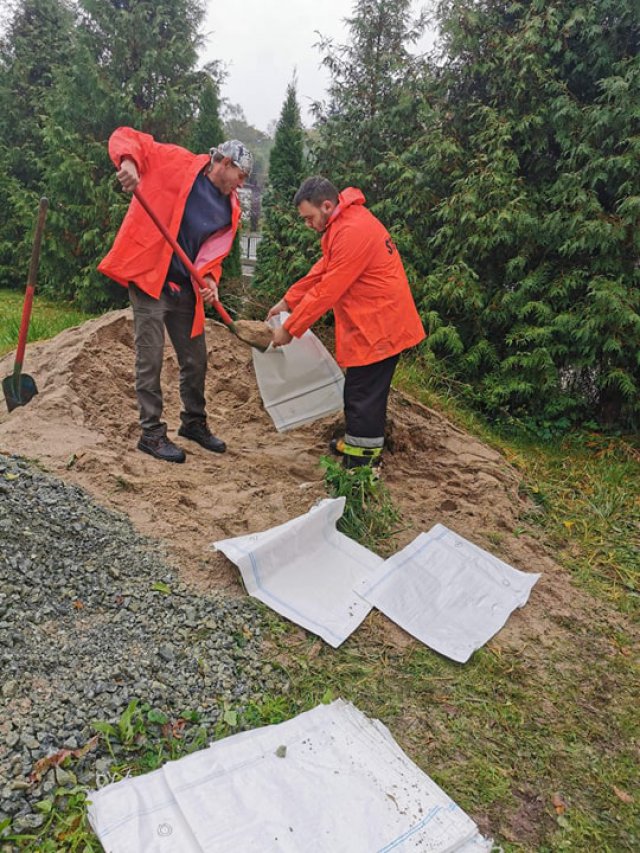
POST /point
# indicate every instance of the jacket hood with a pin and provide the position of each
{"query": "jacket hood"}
(346, 198)
(349, 196)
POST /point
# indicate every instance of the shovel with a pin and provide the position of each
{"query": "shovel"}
(19, 387)
(255, 334)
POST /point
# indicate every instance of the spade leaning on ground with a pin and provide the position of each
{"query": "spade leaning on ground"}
(361, 277)
(195, 196)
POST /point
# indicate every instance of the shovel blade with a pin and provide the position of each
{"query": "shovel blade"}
(18, 393)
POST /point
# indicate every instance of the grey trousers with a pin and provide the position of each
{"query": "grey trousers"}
(150, 318)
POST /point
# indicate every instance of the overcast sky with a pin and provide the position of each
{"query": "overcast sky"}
(261, 42)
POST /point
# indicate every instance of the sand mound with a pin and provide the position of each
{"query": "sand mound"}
(83, 427)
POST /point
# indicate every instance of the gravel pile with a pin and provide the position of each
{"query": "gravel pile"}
(83, 632)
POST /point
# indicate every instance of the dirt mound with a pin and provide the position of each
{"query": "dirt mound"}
(83, 427)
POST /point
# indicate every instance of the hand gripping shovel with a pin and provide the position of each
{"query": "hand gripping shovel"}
(250, 332)
(19, 387)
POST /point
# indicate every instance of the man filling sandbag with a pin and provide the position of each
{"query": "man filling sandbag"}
(360, 276)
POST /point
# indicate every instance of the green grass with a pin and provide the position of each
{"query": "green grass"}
(589, 487)
(47, 318)
(586, 489)
(369, 515)
(505, 740)
(537, 743)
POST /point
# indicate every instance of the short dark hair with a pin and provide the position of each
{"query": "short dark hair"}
(315, 190)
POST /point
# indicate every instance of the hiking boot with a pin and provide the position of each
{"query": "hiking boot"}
(202, 435)
(161, 447)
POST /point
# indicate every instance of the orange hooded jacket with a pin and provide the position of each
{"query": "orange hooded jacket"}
(140, 254)
(360, 276)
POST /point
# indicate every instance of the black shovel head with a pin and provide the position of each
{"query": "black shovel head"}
(20, 395)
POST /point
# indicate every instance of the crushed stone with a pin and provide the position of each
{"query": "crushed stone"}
(91, 617)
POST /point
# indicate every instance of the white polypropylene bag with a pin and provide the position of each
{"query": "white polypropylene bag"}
(140, 816)
(299, 382)
(447, 592)
(327, 781)
(306, 570)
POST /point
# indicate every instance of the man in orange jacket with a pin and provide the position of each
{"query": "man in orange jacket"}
(361, 277)
(195, 197)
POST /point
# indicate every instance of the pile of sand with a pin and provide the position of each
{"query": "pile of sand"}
(83, 427)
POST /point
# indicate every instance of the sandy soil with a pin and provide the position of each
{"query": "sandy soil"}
(82, 426)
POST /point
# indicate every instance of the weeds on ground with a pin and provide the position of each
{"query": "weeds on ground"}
(369, 515)
(142, 740)
(66, 827)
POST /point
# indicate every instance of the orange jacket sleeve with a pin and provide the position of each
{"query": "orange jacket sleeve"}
(349, 256)
(297, 290)
(127, 142)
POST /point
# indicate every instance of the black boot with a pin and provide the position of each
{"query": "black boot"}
(158, 445)
(200, 433)
(359, 461)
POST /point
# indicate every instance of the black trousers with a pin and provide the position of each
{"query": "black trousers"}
(366, 391)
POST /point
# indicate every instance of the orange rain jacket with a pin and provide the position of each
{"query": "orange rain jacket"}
(140, 254)
(360, 276)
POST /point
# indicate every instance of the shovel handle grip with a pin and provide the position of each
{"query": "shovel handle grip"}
(31, 286)
(177, 248)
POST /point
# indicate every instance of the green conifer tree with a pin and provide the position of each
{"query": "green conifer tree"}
(285, 248)
(370, 113)
(519, 206)
(133, 64)
(37, 40)
(208, 129)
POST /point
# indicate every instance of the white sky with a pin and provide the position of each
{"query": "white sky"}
(262, 42)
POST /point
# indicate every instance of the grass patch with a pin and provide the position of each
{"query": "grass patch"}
(585, 487)
(589, 487)
(47, 318)
(369, 515)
